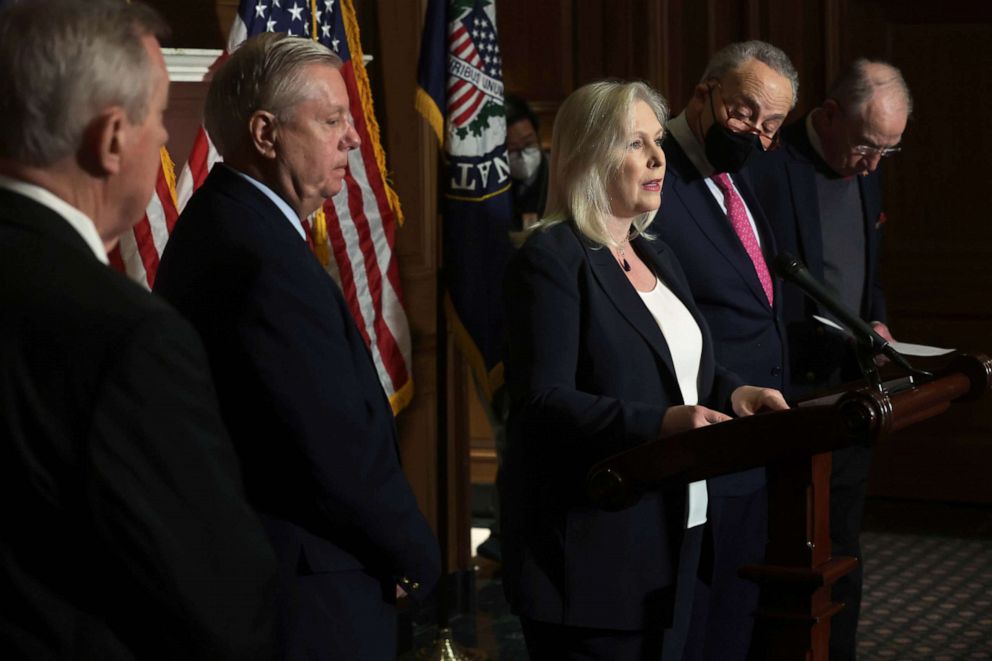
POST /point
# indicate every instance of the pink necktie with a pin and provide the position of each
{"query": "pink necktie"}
(742, 227)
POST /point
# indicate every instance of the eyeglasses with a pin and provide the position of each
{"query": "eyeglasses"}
(868, 150)
(740, 124)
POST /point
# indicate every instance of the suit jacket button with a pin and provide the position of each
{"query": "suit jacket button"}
(811, 376)
(776, 370)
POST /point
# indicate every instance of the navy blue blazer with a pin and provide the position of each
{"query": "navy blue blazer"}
(297, 389)
(589, 374)
(785, 183)
(748, 335)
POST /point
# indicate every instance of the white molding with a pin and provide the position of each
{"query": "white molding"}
(189, 65)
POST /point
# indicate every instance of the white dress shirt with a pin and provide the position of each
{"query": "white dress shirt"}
(278, 201)
(78, 220)
(685, 342)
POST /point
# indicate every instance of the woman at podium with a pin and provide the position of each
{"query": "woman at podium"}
(606, 350)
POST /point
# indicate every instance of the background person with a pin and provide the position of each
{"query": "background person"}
(824, 199)
(528, 162)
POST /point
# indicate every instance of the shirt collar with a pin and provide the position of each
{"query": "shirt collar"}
(78, 220)
(679, 128)
(278, 201)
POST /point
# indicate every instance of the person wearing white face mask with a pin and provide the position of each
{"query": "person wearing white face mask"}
(528, 163)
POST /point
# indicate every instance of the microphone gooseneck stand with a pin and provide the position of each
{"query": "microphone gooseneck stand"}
(868, 343)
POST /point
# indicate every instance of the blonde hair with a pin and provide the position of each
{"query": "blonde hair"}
(588, 146)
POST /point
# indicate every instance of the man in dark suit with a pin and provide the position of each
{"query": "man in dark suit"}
(126, 533)
(295, 380)
(710, 219)
(822, 193)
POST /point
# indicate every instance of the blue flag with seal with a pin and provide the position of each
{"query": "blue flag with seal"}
(460, 92)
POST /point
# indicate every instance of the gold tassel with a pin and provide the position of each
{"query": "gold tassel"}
(362, 78)
(321, 244)
(169, 170)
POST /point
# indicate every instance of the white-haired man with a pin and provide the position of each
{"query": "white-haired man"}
(126, 533)
(296, 383)
(823, 195)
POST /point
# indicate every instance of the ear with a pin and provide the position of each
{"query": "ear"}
(104, 142)
(264, 132)
(831, 110)
(700, 91)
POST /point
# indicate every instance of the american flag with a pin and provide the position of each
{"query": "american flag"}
(138, 251)
(354, 232)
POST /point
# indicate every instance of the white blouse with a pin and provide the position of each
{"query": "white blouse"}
(685, 342)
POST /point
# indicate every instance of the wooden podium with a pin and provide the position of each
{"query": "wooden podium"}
(793, 617)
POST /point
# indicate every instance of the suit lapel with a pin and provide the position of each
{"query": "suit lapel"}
(652, 255)
(702, 207)
(655, 256)
(805, 199)
(625, 298)
(802, 181)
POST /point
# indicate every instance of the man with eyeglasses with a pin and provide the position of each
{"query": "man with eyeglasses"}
(823, 197)
(710, 217)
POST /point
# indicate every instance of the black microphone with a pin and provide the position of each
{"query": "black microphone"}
(789, 267)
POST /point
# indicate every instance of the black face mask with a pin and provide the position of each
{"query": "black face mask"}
(726, 150)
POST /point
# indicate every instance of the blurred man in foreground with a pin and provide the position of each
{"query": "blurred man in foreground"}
(125, 530)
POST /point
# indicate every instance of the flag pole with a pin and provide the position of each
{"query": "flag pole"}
(444, 647)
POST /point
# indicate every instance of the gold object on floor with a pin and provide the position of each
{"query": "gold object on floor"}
(445, 649)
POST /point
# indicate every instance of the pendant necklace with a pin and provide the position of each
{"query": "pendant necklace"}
(622, 259)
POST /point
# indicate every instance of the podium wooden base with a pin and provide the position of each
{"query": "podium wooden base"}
(793, 616)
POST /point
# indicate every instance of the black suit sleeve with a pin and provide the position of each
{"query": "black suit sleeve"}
(546, 317)
(162, 486)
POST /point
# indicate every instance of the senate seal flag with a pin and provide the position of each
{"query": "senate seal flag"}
(460, 93)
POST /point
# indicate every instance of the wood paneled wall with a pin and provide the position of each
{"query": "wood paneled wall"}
(939, 245)
(937, 264)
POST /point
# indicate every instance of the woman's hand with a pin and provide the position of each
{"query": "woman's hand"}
(683, 418)
(748, 400)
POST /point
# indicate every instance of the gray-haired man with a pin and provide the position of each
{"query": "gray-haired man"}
(823, 195)
(711, 219)
(125, 530)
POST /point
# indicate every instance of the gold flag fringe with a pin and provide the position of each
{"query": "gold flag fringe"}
(169, 170)
(362, 78)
